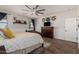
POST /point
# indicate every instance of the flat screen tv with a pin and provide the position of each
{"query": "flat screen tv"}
(47, 24)
(2, 15)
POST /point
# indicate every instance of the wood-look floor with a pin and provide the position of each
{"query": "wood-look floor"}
(59, 47)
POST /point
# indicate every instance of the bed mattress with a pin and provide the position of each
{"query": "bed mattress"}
(21, 40)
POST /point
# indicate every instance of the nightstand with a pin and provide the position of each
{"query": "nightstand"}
(2, 50)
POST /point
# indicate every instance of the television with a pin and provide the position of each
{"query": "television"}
(2, 15)
(47, 23)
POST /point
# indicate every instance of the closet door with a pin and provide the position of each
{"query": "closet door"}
(78, 31)
(70, 29)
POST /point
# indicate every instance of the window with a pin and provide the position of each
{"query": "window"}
(3, 23)
(32, 24)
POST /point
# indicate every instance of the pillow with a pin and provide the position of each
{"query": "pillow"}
(8, 33)
(2, 35)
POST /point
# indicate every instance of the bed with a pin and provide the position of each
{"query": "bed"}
(23, 42)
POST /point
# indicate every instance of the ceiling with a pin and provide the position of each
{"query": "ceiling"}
(50, 9)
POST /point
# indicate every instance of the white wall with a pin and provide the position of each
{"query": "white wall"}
(17, 27)
(59, 23)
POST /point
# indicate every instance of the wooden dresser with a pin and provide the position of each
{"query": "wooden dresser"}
(47, 31)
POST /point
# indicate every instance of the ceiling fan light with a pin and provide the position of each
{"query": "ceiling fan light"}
(33, 12)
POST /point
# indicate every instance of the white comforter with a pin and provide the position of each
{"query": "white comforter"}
(21, 40)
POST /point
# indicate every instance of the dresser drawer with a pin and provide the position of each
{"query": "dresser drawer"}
(47, 31)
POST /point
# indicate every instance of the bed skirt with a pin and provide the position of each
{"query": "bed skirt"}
(27, 50)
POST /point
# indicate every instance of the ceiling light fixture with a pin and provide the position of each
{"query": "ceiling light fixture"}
(35, 10)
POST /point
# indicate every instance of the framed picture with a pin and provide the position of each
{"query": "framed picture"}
(43, 19)
(48, 19)
(53, 18)
(19, 21)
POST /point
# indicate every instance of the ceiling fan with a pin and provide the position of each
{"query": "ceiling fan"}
(35, 10)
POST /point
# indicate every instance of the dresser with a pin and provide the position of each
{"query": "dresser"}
(47, 31)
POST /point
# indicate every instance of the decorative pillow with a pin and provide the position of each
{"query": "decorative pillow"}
(2, 35)
(8, 33)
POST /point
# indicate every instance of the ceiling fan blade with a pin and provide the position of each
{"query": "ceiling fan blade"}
(36, 13)
(36, 7)
(40, 13)
(28, 7)
(41, 10)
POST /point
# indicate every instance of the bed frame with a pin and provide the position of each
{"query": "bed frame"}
(3, 50)
(32, 52)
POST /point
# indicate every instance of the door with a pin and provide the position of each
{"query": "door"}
(70, 29)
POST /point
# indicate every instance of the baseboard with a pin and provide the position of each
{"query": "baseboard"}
(66, 40)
